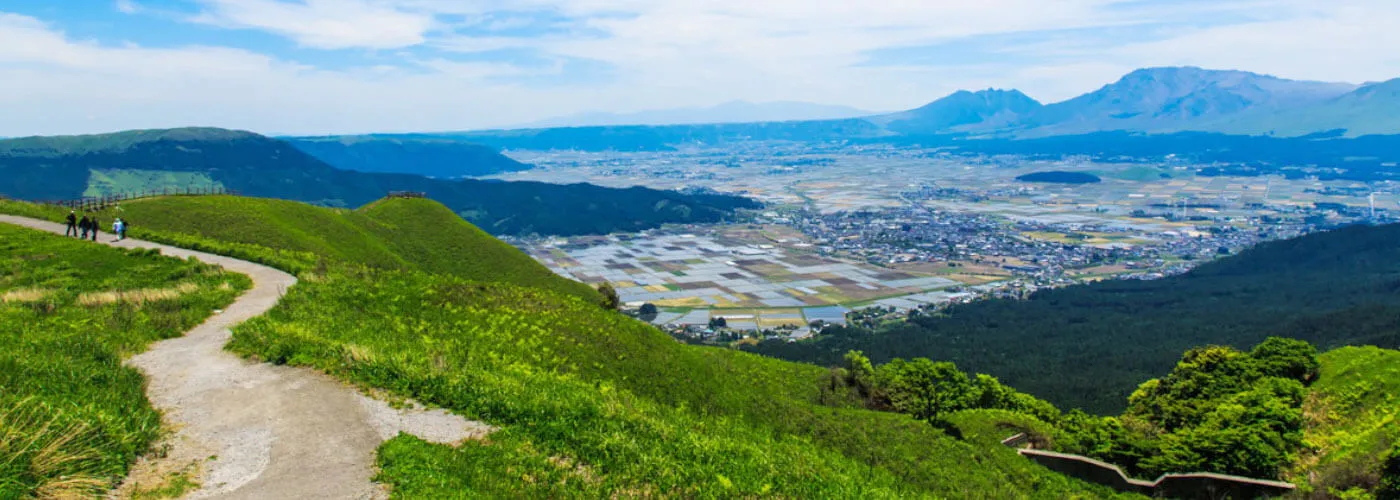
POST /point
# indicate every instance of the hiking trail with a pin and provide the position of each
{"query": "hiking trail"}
(256, 430)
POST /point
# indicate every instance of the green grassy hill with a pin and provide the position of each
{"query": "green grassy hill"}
(415, 234)
(1353, 420)
(591, 403)
(73, 418)
(588, 402)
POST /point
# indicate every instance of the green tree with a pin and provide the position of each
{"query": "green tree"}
(610, 299)
(1203, 375)
(648, 309)
(923, 388)
(1287, 358)
(1252, 433)
(860, 374)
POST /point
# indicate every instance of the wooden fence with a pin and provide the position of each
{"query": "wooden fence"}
(94, 203)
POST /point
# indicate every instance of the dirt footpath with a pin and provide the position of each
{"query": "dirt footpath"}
(256, 430)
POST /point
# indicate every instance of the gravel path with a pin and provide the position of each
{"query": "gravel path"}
(257, 430)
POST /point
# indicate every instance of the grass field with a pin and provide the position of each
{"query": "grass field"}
(118, 181)
(296, 237)
(72, 417)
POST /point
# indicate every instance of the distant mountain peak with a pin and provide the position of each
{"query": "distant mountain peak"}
(988, 107)
(1172, 98)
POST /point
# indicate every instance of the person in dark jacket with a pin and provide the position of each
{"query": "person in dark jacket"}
(85, 225)
(95, 225)
(72, 224)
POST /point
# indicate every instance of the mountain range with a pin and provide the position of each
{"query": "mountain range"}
(1155, 101)
(1164, 100)
(68, 167)
(432, 157)
(1186, 111)
(729, 112)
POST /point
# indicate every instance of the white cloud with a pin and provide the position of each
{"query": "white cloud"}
(1351, 40)
(323, 24)
(127, 7)
(663, 54)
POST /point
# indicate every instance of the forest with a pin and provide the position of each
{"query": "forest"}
(1088, 346)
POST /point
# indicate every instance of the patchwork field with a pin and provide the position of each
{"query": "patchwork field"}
(720, 271)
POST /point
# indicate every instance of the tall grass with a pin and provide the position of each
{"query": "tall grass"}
(74, 417)
(47, 456)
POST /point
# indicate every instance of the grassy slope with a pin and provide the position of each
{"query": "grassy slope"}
(589, 402)
(61, 372)
(399, 233)
(1352, 413)
(624, 408)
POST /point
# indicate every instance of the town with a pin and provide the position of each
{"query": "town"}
(865, 234)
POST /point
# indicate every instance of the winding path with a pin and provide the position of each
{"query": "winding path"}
(257, 430)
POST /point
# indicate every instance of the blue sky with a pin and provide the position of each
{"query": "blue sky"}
(338, 66)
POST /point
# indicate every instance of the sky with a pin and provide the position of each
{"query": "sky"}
(351, 66)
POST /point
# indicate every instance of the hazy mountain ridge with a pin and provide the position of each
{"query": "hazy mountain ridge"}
(985, 107)
(1175, 99)
(433, 157)
(1162, 100)
(729, 112)
(56, 168)
(1372, 109)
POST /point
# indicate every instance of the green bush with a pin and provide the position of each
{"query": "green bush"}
(1220, 410)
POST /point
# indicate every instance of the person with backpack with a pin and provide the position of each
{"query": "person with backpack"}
(119, 227)
(85, 225)
(72, 220)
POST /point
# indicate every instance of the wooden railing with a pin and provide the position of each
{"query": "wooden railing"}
(407, 194)
(92, 203)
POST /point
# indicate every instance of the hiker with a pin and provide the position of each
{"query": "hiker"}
(72, 224)
(119, 228)
(94, 225)
(85, 225)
